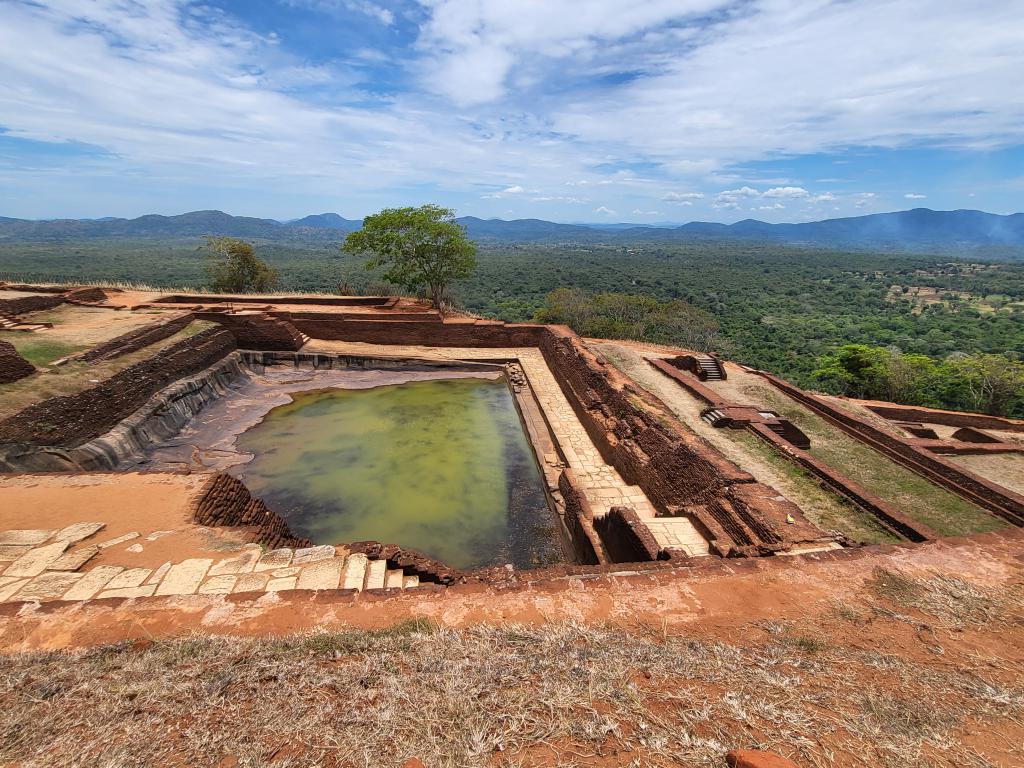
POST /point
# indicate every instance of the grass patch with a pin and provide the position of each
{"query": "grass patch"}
(954, 602)
(38, 351)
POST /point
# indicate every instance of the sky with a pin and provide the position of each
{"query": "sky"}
(649, 111)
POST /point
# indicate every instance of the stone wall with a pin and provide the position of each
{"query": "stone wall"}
(258, 330)
(73, 419)
(625, 537)
(85, 296)
(984, 493)
(451, 333)
(225, 501)
(29, 304)
(12, 365)
(138, 339)
(579, 520)
(949, 418)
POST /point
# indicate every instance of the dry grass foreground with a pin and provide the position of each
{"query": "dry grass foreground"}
(916, 672)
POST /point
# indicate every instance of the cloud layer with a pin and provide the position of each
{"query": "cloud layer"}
(500, 107)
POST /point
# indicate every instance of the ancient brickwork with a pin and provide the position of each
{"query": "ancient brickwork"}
(12, 365)
(984, 493)
(258, 330)
(453, 333)
(626, 537)
(29, 304)
(85, 296)
(225, 501)
(138, 339)
(579, 519)
(949, 418)
(73, 419)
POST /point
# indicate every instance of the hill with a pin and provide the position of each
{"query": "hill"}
(919, 230)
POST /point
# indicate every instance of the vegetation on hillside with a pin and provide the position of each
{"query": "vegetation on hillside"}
(781, 309)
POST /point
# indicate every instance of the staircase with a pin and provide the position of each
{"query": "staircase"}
(710, 368)
(10, 322)
(362, 573)
(715, 418)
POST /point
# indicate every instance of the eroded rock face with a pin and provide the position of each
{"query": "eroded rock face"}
(755, 758)
(12, 365)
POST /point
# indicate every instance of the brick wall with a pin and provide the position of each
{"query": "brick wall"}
(12, 365)
(73, 419)
(258, 330)
(138, 339)
(949, 418)
(29, 304)
(451, 333)
(625, 536)
(225, 501)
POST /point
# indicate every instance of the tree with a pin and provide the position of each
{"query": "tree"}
(417, 247)
(991, 383)
(233, 267)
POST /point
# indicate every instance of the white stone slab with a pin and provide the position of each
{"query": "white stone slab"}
(78, 531)
(73, 560)
(92, 582)
(159, 573)
(145, 591)
(133, 577)
(274, 559)
(219, 585)
(11, 587)
(36, 560)
(251, 582)
(185, 577)
(277, 585)
(313, 554)
(375, 573)
(11, 552)
(30, 537)
(323, 574)
(355, 571)
(243, 562)
(48, 586)
(119, 540)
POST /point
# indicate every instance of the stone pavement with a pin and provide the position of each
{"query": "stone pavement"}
(600, 482)
(40, 565)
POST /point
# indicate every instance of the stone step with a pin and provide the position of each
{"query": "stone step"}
(354, 574)
(393, 579)
(376, 572)
(408, 582)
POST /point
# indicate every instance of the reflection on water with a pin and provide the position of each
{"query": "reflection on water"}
(440, 466)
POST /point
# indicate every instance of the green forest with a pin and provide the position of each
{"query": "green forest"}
(788, 310)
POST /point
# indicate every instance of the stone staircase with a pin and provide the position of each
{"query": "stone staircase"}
(715, 417)
(45, 565)
(9, 322)
(711, 368)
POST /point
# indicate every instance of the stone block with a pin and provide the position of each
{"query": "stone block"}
(133, 577)
(185, 577)
(159, 573)
(218, 585)
(145, 591)
(354, 573)
(72, 561)
(11, 587)
(119, 540)
(274, 559)
(36, 560)
(24, 537)
(323, 574)
(281, 573)
(244, 562)
(92, 582)
(48, 586)
(78, 532)
(277, 585)
(312, 554)
(10, 552)
(251, 582)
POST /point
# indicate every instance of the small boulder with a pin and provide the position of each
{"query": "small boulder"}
(755, 758)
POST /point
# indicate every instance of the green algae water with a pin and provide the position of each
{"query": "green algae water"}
(440, 466)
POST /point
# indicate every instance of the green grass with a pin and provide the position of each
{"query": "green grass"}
(39, 352)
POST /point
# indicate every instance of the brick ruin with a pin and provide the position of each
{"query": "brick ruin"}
(12, 365)
(633, 430)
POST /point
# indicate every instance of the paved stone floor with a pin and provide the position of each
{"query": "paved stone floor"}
(600, 482)
(51, 565)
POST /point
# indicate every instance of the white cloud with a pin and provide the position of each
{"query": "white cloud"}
(773, 207)
(682, 198)
(825, 197)
(786, 192)
(605, 211)
(914, 196)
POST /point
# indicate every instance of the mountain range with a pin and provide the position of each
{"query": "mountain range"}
(917, 230)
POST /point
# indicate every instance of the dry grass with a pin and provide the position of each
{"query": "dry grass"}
(561, 694)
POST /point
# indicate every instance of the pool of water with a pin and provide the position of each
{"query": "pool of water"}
(440, 466)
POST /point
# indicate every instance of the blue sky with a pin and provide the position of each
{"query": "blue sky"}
(594, 110)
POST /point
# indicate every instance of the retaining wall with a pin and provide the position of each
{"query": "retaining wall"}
(949, 418)
(74, 419)
(138, 339)
(258, 330)
(29, 304)
(12, 365)
(225, 501)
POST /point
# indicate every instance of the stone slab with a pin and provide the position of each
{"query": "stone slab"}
(219, 585)
(281, 573)
(354, 573)
(119, 540)
(36, 560)
(274, 559)
(323, 574)
(75, 559)
(134, 549)
(92, 582)
(185, 577)
(244, 562)
(48, 586)
(276, 585)
(11, 587)
(159, 573)
(251, 582)
(13, 551)
(375, 573)
(25, 537)
(133, 577)
(313, 554)
(157, 534)
(78, 532)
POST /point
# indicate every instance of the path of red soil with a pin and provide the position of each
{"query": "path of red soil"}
(719, 600)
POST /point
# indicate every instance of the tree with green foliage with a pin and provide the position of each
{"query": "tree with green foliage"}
(417, 247)
(625, 316)
(989, 383)
(233, 267)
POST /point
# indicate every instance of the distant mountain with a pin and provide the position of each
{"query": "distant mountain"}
(921, 230)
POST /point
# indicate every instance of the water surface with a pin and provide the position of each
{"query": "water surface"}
(441, 466)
